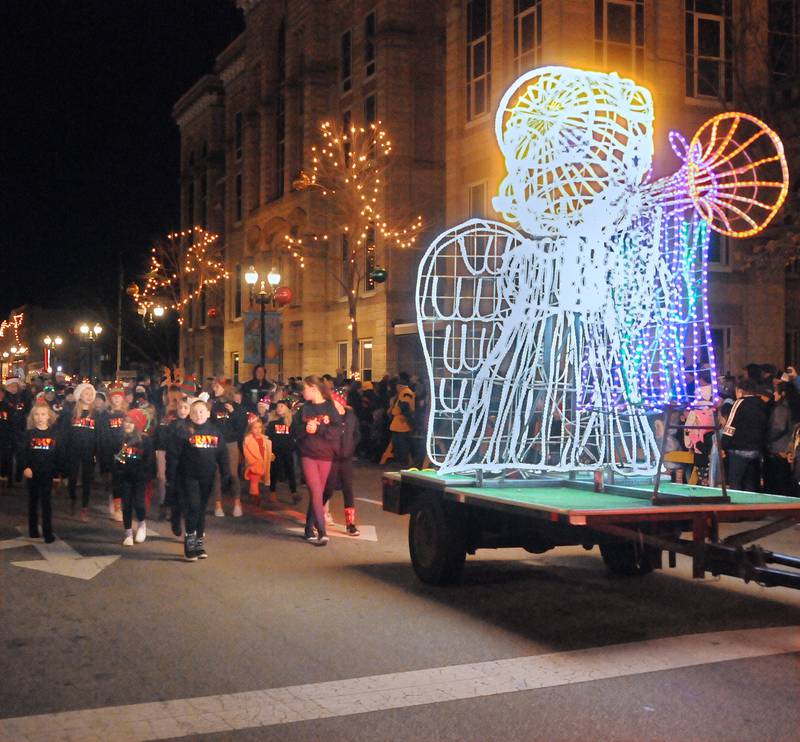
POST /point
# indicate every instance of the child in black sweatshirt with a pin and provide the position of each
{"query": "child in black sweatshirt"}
(133, 468)
(40, 459)
(80, 426)
(201, 452)
(177, 429)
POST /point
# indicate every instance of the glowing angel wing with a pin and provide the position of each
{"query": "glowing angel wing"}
(462, 303)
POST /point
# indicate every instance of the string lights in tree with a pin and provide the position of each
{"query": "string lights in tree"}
(348, 168)
(181, 267)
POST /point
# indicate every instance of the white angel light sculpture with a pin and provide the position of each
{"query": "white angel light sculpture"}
(548, 345)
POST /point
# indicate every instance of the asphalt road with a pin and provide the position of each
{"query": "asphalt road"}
(270, 614)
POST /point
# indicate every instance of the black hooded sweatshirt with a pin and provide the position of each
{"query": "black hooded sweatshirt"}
(42, 451)
(200, 450)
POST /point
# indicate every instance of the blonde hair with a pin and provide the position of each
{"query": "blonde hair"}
(51, 415)
(273, 415)
(257, 421)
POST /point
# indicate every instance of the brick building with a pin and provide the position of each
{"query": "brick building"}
(434, 72)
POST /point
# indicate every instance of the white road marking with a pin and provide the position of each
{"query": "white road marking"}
(273, 706)
(15, 543)
(371, 502)
(61, 559)
(368, 533)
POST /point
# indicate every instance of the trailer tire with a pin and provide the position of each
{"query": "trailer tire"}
(437, 543)
(627, 559)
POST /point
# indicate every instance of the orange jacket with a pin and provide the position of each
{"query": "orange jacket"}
(256, 464)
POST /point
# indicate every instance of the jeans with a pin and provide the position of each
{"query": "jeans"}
(316, 473)
(744, 472)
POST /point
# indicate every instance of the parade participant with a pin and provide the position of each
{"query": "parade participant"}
(160, 436)
(134, 466)
(6, 442)
(256, 388)
(202, 454)
(231, 418)
(258, 457)
(110, 440)
(279, 430)
(262, 410)
(743, 438)
(401, 409)
(341, 474)
(316, 429)
(18, 406)
(40, 459)
(779, 440)
(177, 429)
(79, 423)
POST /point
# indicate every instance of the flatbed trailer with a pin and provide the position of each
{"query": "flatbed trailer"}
(452, 516)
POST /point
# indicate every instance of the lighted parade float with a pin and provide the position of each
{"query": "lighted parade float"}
(555, 340)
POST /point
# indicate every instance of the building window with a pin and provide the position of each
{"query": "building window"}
(344, 269)
(346, 123)
(527, 34)
(238, 134)
(204, 200)
(619, 35)
(238, 210)
(479, 57)
(237, 293)
(784, 46)
(721, 343)
(366, 360)
(369, 260)
(190, 203)
(371, 110)
(719, 250)
(709, 49)
(477, 201)
(369, 44)
(346, 61)
(341, 356)
(235, 368)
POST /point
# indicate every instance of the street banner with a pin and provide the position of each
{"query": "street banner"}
(252, 337)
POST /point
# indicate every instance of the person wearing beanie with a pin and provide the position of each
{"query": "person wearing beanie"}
(231, 418)
(188, 386)
(40, 459)
(341, 474)
(279, 430)
(201, 454)
(79, 422)
(110, 439)
(134, 466)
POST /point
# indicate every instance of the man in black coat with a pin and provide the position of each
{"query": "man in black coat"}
(743, 438)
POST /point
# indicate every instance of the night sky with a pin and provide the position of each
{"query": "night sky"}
(88, 150)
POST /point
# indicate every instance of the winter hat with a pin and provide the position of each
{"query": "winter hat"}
(80, 389)
(189, 386)
(203, 396)
(116, 391)
(139, 419)
(252, 417)
(13, 380)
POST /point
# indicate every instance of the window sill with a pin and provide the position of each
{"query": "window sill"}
(720, 268)
(704, 102)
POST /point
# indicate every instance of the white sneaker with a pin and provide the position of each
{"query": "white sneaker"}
(218, 511)
(128, 540)
(329, 519)
(237, 510)
(141, 533)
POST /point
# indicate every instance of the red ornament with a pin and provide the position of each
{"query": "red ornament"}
(213, 312)
(283, 296)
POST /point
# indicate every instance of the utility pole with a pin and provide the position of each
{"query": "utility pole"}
(120, 289)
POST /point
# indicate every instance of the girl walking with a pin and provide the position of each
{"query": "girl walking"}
(39, 457)
(110, 440)
(231, 419)
(177, 430)
(317, 430)
(341, 474)
(79, 423)
(279, 430)
(134, 467)
(257, 457)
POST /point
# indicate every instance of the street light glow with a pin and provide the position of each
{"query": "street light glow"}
(58, 340)
(84, 329)
(158, 311)
(97, 329)
(273, 278)
(251, 276)
(47, 340)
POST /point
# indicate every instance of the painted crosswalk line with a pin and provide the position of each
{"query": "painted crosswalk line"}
(190, 717)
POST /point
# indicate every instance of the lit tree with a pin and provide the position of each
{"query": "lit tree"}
(348, 168)
(181, 267)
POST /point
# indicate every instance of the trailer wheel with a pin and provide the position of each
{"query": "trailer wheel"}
(628, 559)
(437, 544)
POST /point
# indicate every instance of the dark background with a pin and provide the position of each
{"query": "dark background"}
(88, 150)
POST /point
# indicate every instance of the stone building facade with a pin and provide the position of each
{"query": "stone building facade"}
(433, 72)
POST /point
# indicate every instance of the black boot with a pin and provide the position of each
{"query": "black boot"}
(199, 551)
(189, 547)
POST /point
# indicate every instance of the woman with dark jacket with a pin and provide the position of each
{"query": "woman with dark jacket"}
(231, 419)
(341, 474)
(780, 426)
(317, 432)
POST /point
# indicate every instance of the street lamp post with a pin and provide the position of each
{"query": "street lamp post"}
(91, 334)
(49, 345)
(263, 297)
